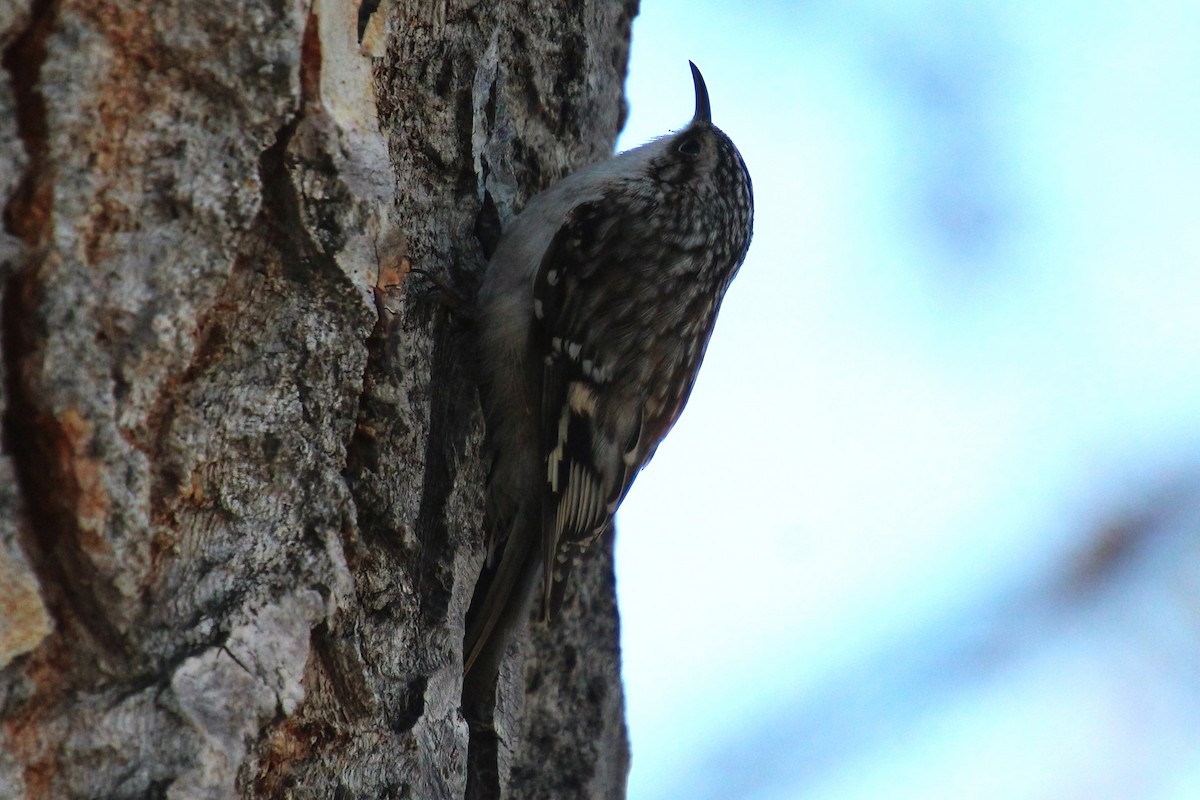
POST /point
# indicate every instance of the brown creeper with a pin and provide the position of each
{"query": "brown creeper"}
(594, 315)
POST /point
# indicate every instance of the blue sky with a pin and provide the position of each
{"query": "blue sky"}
(966, 336)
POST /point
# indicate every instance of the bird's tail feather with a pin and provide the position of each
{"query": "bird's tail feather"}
(505, 602)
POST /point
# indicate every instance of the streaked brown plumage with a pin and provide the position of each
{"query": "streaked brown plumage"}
(594, 316)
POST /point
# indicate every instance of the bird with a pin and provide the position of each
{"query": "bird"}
(593, 317)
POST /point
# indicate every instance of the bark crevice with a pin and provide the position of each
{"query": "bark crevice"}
(54, 482)
(27, 213)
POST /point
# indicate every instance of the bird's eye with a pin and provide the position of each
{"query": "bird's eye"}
(690, 147)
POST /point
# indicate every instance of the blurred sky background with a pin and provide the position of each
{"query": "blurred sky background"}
(929, 526)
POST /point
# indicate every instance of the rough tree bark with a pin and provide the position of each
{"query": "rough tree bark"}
(241, 478)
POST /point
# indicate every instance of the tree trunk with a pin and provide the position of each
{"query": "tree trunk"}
(241, 479)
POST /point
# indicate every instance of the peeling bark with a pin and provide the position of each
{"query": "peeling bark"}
(241, 477)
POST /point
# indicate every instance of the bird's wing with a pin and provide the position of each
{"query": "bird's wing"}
(587, 446)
